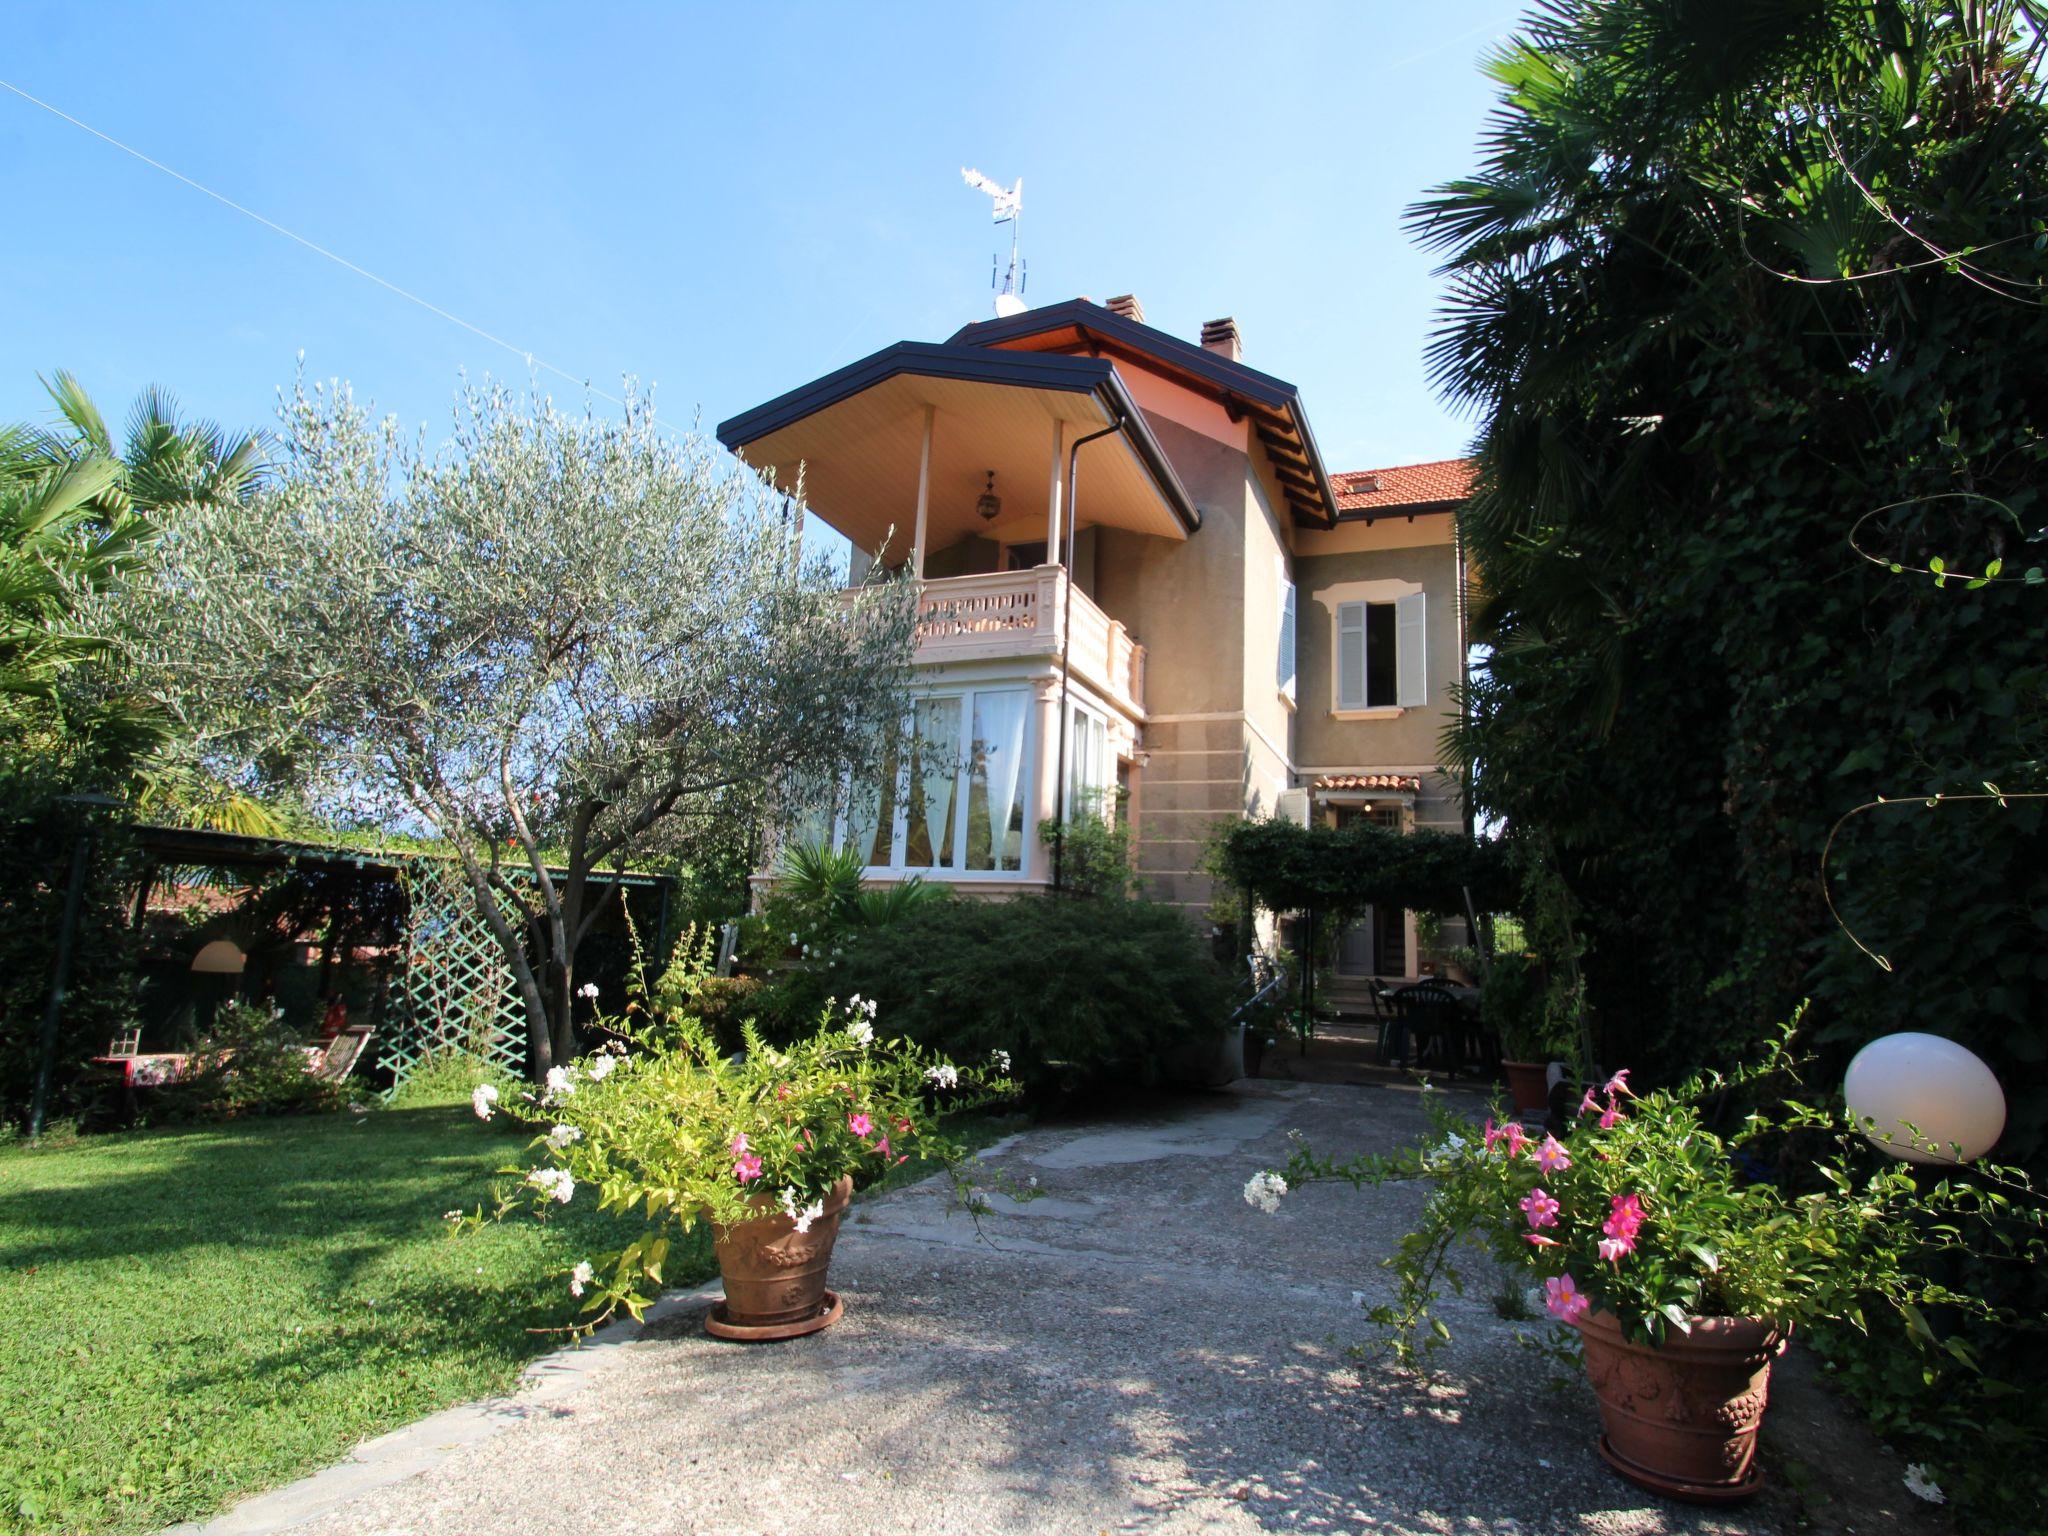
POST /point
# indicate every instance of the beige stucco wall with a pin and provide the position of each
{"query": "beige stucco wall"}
(1405, 740)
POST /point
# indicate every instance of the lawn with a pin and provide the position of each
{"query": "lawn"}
(194, 1315)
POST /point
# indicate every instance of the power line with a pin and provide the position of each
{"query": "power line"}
(532, 362)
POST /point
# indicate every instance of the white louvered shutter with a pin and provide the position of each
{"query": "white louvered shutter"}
(1351, 655)
(1411, 651)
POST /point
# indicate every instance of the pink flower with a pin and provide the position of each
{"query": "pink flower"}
(809, 1141)
(1619, 1084)
(746, 1168)
(860, 1125)
(1511, 1133)
(1540, 1208)
(1565, 1300)
(1624, 1219)
(1615, 1249)
(1551, 1157)
(1586, 1104)
(1610, 1114)
(882, 1147)
(1539, 1239)
(739, 1145)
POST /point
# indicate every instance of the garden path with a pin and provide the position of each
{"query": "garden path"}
(1137, 1350)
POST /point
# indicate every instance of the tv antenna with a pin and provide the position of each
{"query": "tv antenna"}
(1009, 205)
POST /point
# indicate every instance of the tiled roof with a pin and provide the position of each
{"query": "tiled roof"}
(1362, 492)
(1381, 781)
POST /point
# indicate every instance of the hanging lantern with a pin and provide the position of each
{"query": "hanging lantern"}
(1942, 1091)
(221, 957)
(989, 504)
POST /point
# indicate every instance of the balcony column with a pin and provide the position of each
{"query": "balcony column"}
(1045, 780)
(1053, 555)
(924, 493)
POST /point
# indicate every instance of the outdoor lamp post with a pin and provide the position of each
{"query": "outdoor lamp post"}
(1913, 1088)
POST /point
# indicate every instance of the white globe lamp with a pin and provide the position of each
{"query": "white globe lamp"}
(1913, 1088)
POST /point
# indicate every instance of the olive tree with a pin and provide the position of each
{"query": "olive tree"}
(554, 645)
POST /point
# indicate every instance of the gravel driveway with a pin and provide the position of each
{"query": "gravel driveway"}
(1138, 1350)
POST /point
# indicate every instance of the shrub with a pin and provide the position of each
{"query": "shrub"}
(250, 1063)
(448, 1077)
(1081, 993)
(1511, 1004)
(673, 1131)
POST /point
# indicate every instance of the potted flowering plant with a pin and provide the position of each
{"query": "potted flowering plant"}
(765, 1146)
(1682, 1277)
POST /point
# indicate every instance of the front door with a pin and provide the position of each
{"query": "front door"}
(1354, 947)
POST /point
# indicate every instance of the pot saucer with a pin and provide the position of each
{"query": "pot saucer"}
(720, 1327)
(1693, 1493)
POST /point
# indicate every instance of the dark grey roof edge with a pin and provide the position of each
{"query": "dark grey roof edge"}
(982, 365)
(1274, 393)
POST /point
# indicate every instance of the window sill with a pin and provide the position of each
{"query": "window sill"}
(1287, 701)
(1382, 712)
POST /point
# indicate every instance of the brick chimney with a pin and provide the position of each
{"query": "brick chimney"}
(1127, 305)
(1223, 338)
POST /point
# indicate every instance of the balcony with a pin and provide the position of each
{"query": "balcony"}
(1017, 613)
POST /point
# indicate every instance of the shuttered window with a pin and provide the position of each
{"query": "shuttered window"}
(1382, 654)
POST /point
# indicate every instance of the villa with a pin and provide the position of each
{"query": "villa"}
(1142, 596)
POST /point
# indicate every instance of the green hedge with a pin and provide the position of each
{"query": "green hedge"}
(1083, 993)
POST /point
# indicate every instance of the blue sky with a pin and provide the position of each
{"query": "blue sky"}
(723, 202)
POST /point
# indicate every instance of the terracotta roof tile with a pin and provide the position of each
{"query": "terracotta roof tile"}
(1377, 781)
(1361, 492)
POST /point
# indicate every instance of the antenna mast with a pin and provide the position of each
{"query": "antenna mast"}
(1009, 208)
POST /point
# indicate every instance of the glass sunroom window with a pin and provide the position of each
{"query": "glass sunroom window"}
(995, 779)
(953, 794)
(933, 785)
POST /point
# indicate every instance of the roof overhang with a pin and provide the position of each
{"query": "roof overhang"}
(855, 439)
(1273, 405)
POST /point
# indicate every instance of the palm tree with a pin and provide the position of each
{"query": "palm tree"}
(165, 462)
(77, 514)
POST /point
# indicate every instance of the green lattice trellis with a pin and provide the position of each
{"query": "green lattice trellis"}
(458, 992)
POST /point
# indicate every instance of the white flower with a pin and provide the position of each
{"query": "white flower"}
(555, 1183)
(481, 1100)
(451, 1215)
(792, 938)
(589, 990)
(809, 1214)
(579, 1277)
(564, 1136)
(788, 1203)
(1264, 1191)
(601, 1068)
(944, 1076)
(559, 1085)
(862, 1031)
(1001, 1059)
(1921, 1486)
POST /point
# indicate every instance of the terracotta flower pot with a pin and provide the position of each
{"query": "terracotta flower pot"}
(1528, 1086)
(1681, 1417)
(775, 1275)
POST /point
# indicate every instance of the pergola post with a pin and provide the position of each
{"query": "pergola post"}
(924, 492)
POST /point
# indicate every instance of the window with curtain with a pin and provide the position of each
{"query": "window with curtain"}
(995, 779)
(954, 792)
(933, 785)
(1381, 660)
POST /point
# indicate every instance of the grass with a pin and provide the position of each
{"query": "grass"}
(197, 1314)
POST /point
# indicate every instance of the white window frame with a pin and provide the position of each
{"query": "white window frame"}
(899, 811)
(1411, 653)
(1088, 733)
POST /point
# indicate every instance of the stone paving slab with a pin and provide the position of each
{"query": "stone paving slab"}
(1138, 1350)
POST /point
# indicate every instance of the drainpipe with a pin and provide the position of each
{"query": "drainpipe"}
(1059, 829)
